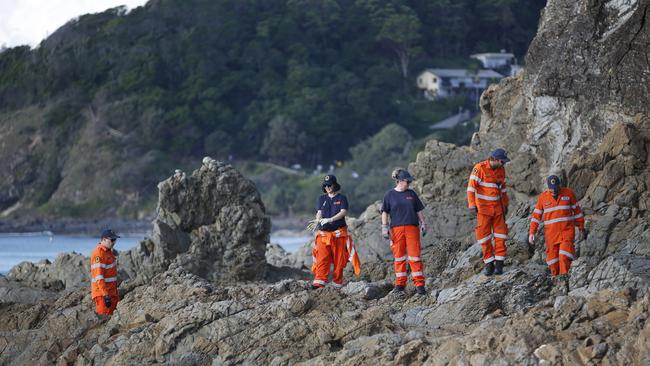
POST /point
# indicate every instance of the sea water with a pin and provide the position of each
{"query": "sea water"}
(34, 247)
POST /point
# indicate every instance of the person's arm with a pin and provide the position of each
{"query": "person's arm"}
(319, 215)
(97, 269)
(472, 186)
(535, 220)
(578, 216)
(384, 218)
(338, 216)
(505, 199)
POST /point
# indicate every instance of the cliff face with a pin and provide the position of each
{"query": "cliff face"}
(577, 110)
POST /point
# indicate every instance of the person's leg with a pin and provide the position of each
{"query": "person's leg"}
(484, 236)
(500, 230)
(323, 262)
(552, 253)
(340, 256)
(398, 246)
(413, 252)
(566, 255)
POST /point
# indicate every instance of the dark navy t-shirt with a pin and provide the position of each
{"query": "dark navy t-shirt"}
(329, 207)
(402, 207)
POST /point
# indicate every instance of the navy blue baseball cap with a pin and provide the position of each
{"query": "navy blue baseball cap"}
(404, 175)
(500, 154)
(553, 182)
(108, 233)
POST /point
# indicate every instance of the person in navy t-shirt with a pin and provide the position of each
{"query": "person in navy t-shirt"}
(405, 210)
(331, 239)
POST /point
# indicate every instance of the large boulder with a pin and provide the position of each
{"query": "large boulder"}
(212, 223)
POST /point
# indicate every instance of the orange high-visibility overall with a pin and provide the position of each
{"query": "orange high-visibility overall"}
(405, 244)
(560, 217)
(103, 273)
(333, 248)
(486, 190)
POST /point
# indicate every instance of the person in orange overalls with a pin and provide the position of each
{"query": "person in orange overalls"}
(405, 210)
(488, 200)
(558, 209)
(103, 273)
(332, 238)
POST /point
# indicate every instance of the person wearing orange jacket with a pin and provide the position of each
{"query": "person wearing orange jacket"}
(488, 200)
(103, 273)
(405, 210)
(332, 239)
(558, 209)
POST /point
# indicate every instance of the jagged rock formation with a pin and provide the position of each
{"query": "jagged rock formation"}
(578, 109)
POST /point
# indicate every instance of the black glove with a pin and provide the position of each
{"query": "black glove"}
(505, 211)
(531, 250)
(473, 211)
(107, 301)
(583, 234)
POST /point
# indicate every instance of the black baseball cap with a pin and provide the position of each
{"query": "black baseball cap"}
(109, 233)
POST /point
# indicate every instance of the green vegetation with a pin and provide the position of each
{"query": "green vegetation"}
(283, 81)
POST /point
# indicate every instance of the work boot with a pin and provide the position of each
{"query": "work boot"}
(314, 287)
(398, 288)
(498, 268)
(489, 269)
(420, 290)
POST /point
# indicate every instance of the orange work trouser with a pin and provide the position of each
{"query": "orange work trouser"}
(406, 239)
(328, 251)
(559, 257)
(100, 307)
(491, 233)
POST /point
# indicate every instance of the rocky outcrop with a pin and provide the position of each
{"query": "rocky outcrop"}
(212, 223)
(69, 270)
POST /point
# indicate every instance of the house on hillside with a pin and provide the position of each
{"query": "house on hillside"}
(502, 62)
(443, 83)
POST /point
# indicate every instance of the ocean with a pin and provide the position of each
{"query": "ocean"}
(33, 247)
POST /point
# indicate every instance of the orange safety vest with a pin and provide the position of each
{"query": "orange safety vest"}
(327, 237)
(486, 189)
(103, 272)
(560, 216)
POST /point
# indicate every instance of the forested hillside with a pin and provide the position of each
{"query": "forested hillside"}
(112, 102)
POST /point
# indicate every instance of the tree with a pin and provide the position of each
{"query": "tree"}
(284, 143)
(400, 31)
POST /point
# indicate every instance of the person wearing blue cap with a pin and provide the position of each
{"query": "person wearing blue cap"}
(488, 200)
(103, 274)
(557, 208)
(405, 210)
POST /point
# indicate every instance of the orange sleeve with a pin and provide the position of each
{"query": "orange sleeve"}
(97, 274)
(536, 217)
(472, 186)
(578, 216)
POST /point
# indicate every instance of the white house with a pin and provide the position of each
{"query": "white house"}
(443, 83)
(493, 60)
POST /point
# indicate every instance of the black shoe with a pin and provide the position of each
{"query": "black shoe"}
(489, 269)
(398, 288)
(420, 290)
(314, 287)
(498, 268)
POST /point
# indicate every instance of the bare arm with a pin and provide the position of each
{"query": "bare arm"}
(339, 215)
(384, 218)
(421, 216)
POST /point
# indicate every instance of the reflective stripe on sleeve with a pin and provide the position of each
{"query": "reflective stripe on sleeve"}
(471, 189)
(535, 220)
(102, 265)
(538, 211)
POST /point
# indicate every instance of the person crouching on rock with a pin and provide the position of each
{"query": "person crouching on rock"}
(332, 236)
(404, 209)
(558, 209)
(103, 273)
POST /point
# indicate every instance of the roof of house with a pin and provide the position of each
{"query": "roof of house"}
(461, 73)
(493, 55)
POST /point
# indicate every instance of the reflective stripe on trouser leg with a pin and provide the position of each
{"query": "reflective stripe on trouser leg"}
(398, 247)
(323, 262)
(340, 257)
(483, 233)
(413, 249)
(567, 255)
(552, 258)
(500, 232)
